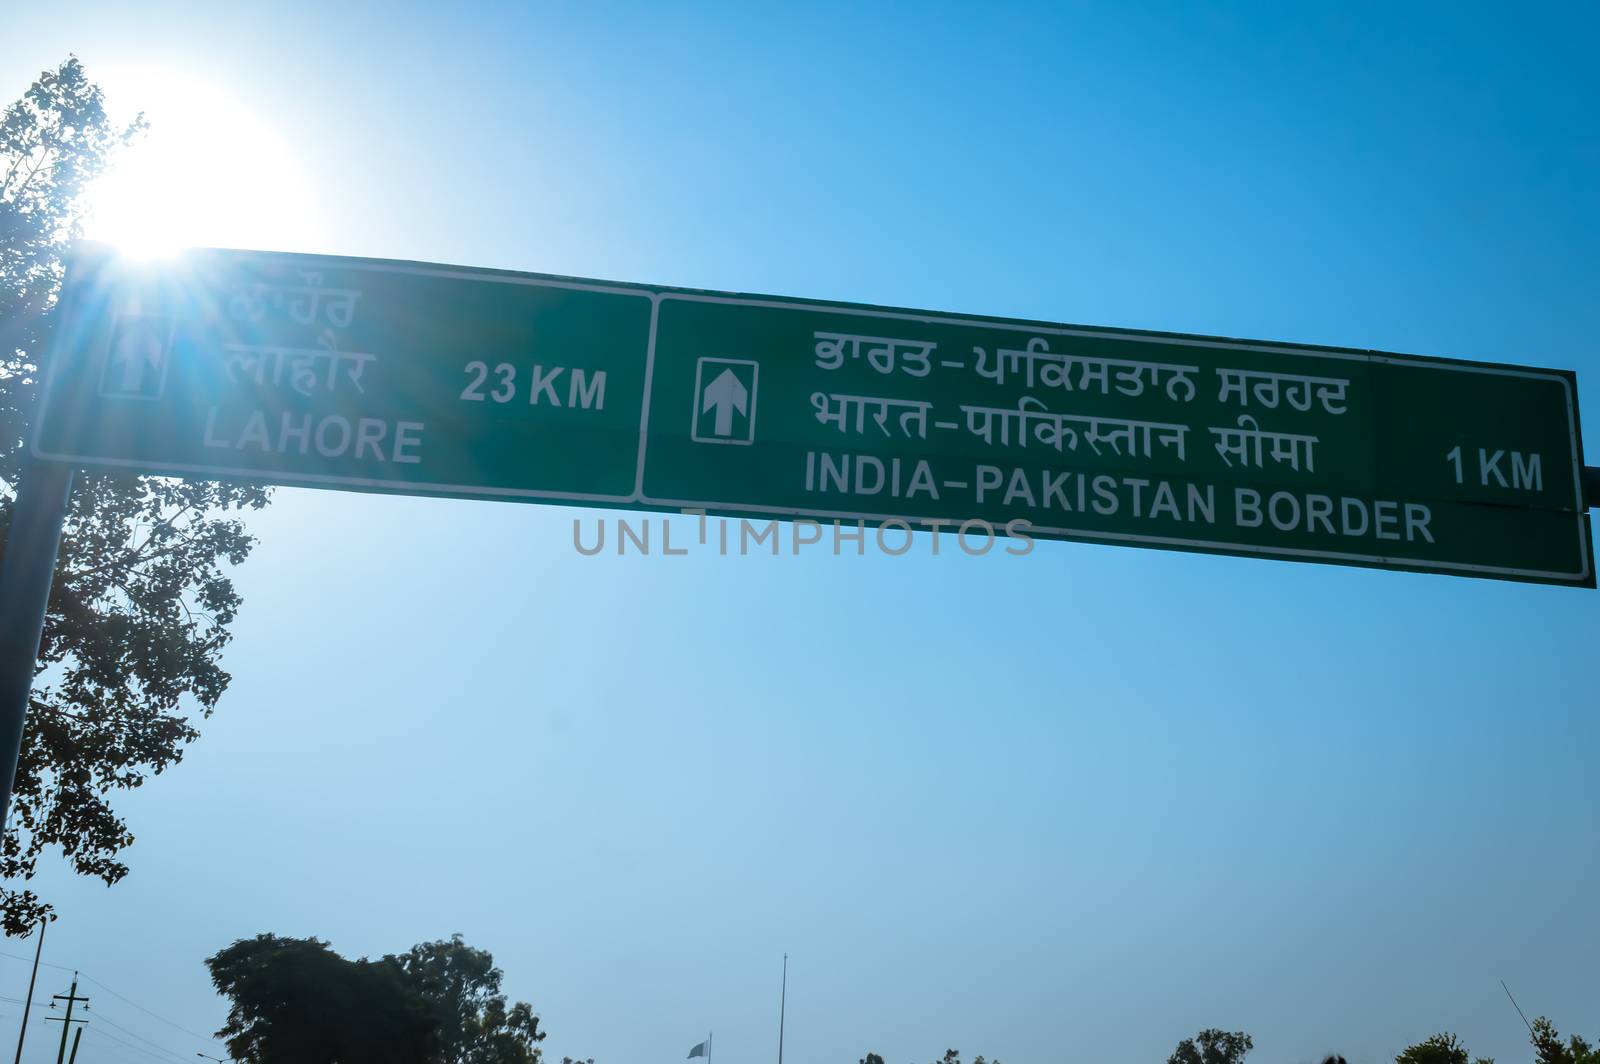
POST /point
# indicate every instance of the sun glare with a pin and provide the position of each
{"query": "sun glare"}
(209, 172)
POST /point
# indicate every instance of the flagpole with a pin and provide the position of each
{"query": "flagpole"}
(783, 1001)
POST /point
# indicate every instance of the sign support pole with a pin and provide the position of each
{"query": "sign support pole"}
(29, 568)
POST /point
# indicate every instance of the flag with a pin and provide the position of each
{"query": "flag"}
(697, 1051)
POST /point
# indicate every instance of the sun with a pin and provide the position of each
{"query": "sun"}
(209, 172)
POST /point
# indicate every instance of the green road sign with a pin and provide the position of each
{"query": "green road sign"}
(404, 377)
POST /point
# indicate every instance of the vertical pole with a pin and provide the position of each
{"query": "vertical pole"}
(34, 978)
(37, 514)
(783, 1001)
(76, 1038)
(1514, 1005)
(66, 1024)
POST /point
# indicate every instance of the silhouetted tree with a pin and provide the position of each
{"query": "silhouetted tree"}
(141, 604)
(871, 1058)
(475, 1025)
(1443, 1048)
(951, 1056)
(1212, 1046)
(1549, 1049)
(296, 1001)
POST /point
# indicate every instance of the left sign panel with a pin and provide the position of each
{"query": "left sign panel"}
(349, 373)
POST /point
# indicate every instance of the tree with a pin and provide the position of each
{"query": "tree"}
(475, 1025)
(1443, 1048)
(438, 1003)
(1212, 1046)
(141, 604)
(1549, 1049)
(951, 1056)
(296, 1001)
(871, 1058)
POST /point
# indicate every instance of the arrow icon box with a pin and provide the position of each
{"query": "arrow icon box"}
(135, 359)
(724, 401)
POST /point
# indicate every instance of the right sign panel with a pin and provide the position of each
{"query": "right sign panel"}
(799, 409)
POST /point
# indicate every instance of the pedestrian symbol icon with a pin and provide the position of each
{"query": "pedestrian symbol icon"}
(136, 358)
(724, 401)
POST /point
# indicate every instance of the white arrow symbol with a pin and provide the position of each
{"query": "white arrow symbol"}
(726, 395)
(136, 352)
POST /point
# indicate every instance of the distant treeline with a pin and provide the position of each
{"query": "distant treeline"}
(1213, 1046)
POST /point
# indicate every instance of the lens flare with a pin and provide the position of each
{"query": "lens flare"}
(208, 172)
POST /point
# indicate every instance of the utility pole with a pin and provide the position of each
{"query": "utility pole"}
(76, 1038)
(71, 998)
(27, 1008)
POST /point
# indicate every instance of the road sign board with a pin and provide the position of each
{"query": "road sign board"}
(438, 380)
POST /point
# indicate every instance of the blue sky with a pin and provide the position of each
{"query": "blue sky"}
(1067, 807)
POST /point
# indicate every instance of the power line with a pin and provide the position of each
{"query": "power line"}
(19, 1001)
(178, 1026)
(42, 964)
(210, 1039)
(100, 1032)
(100, 1018)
